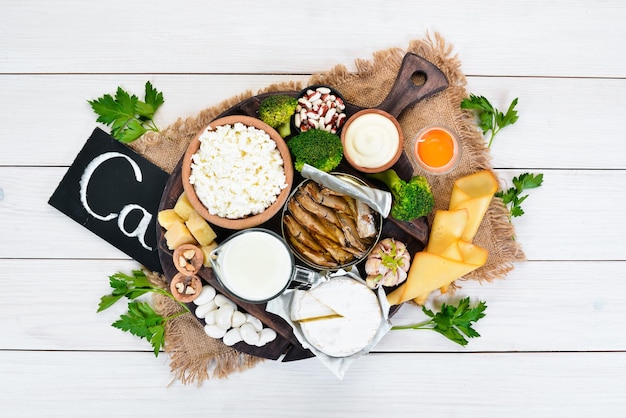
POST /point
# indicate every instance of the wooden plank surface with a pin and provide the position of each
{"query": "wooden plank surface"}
(551, 344)
(547, 107)
(435, 384)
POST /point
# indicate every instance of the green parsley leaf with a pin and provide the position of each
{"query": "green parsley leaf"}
(128, 117)
(453, 322)
(143, 322)
(490, 119)
(512, 196)
(153, 100)
(140, 320)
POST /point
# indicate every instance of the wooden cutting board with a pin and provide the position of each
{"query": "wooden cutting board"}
(415, 234)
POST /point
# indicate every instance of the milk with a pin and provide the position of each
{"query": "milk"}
(254, 265)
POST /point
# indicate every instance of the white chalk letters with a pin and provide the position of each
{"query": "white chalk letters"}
(140, 231)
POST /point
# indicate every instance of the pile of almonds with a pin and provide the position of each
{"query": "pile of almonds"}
(320, 109)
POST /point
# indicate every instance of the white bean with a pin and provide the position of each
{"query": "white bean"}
(239, 318)
(224, 316)
(207, 294)
(256, 322)
(221, 300)
(203, 310)
(232, 336)
(329, 115)
(314, 97)
(210, 318)
(214, 331)
(265, 336)
(249, 335)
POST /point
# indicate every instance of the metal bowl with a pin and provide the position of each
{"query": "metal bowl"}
(296, 244)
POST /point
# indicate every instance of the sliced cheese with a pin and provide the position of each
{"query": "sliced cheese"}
(351, 318)
(306, 307)
(428, 272)
(474, 193)
(447, 228)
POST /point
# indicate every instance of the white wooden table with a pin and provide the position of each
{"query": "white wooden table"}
(553, 342)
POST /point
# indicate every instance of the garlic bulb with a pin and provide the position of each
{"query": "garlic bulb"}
(387, 264)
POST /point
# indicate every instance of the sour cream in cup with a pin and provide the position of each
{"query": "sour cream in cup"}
(372, 140)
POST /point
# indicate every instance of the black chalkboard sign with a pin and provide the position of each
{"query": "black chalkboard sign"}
(115, 193)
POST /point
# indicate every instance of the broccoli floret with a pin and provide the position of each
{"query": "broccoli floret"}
(411, 199)
(316, 147)
(276, 111)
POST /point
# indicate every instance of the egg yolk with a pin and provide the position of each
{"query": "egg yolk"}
(436, 148)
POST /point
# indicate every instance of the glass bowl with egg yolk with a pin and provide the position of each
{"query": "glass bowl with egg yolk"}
(437, 149)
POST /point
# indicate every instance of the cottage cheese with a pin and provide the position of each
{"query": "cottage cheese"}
(237, 171)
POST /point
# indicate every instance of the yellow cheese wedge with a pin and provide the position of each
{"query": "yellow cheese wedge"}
(472, 254)
(474, 193)
(167, 217)
(177, 235)
(447, 228)
(200, 229)
(475, 185)
(182, 207)
(206, 251)
(452, 252)
(428, 272)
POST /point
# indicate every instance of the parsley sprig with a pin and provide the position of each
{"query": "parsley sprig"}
(490, 118)
(453, 322)
(512, 196)
(140, 320)
(128, 116)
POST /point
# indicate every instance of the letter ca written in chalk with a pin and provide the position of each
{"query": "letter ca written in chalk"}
(140, 231)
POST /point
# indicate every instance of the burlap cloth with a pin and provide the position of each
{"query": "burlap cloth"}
(194, 356)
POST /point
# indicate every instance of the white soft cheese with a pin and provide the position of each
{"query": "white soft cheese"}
(237, 171)
(306, 307)
(353, 328)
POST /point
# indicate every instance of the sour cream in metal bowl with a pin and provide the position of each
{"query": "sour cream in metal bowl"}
(237, 172)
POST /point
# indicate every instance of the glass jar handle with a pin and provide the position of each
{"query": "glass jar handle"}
(305, 276)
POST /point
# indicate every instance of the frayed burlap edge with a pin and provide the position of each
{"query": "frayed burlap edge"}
(194, 356)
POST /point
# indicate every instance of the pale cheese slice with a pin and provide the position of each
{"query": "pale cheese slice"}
(474, 193)
(427, 273)
(357, 318)
(306, 307)
(448, 226)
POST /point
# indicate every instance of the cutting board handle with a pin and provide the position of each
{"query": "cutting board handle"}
(405, 92)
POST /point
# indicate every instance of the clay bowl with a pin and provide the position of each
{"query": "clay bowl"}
(374, 134)
(251, 220)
